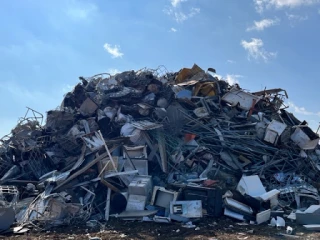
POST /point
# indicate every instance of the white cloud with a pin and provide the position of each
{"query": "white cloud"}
(264, 23)
(230, 78)
(296, 18)
(256, 51)
(262, 5)
(178, 13)
(233, 78)
(230, 61)
(175, 3)
(173, 30)
(301, 110)
(218, 76)
(113, 71)
(113, 51)
(180, 17)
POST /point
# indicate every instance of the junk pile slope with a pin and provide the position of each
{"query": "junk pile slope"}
(159, 146)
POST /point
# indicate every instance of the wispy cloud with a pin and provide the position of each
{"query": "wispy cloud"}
(173, 29)
(256, 50)
(175, 3)
(230, 78)
(293, 18)
(193, 12)
(262, 5)
(264, 23)
(301, 110)
(63, 14)
(218, 76)
(114, 51)
(296, 17)
(230, 61)
(233, 78)
(178, 12)
(79, 12)
(113, 71)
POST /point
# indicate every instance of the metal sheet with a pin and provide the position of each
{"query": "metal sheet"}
(273, 131)
(136, 203)
(7, 217)
(229, 213)
(88, 107)
(188, 209)
(251, 185)
(146, 125)
(237, 206)
(141, 166)
(303, 140)
(263, 216)
(135, 152)
(141, 185)
(162, 151)
(132, 214)
(312, 227)
(309, 216)
(245, 100)
(162, 197)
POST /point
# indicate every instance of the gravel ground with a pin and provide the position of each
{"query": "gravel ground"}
(209, 229)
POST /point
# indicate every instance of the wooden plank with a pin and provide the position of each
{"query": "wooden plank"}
(85, 168)
(107, 149)
(107, 211)
(82, 170)
(114, 174)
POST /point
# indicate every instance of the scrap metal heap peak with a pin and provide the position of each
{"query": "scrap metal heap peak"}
(159, 146)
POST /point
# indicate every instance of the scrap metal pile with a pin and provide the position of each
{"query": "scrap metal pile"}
(157, 146)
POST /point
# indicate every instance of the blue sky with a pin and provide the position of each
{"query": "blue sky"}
(46, 45)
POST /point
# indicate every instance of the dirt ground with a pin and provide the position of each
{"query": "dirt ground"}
(208, 229)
